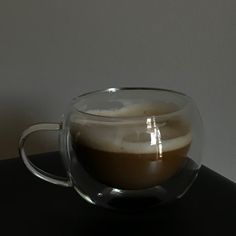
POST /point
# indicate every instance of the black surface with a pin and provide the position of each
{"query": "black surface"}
(30, 206)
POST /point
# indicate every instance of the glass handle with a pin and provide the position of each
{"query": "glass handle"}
(34, 169)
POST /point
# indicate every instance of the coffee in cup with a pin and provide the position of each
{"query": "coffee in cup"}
(133, 155)
(126, 148)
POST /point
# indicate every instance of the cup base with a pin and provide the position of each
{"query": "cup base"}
(128, 200)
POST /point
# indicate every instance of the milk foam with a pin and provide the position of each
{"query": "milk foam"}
(140, 109)
(134, 137)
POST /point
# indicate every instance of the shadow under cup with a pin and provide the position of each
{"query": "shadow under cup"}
(133, 148)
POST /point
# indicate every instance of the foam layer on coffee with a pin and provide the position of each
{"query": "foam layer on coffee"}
(140, 109)
(138, 136)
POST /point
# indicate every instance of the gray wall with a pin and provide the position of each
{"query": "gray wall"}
(51, 51)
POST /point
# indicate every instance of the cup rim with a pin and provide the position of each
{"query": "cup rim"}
(116, 89)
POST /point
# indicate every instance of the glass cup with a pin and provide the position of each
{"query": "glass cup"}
(127, 148)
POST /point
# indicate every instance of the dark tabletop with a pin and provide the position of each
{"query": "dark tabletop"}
(30, 206)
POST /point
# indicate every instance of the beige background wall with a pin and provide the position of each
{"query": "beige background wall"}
(51, 51)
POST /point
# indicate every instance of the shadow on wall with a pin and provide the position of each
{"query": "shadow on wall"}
(17, 117)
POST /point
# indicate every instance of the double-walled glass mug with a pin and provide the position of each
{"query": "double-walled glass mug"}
(127, 148)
